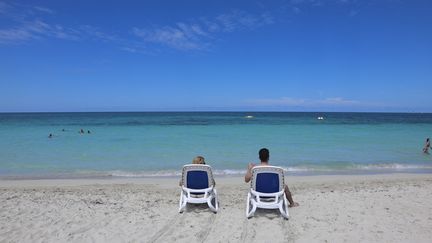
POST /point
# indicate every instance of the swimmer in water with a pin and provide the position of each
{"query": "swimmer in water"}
(427, 146)
(50, 135)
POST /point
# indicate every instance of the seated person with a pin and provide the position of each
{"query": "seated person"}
(199, 160)
(264, 156)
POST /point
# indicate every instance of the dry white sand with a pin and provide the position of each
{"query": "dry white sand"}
(372, 208)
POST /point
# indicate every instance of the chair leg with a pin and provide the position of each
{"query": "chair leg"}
(213, 195)
(286, 207)
(283, 207)
(216, 200)
(182, 203)
(247, 205)
(212, 208)
(250, 212)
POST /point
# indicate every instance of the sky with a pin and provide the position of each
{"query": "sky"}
(292, 55)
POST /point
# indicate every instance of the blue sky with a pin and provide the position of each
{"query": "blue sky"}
(293, 55)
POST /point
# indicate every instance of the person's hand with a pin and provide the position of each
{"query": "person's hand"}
(250, 166)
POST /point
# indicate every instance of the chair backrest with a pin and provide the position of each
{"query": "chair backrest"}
(197, 176)
(267, 179)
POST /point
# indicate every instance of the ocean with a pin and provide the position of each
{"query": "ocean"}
(141, 144)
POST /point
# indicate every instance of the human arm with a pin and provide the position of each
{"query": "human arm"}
(248, 175)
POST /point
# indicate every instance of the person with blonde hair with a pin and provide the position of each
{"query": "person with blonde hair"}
(198, 160)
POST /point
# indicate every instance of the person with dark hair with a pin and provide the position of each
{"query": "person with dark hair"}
(50, 135)
(264, 156)
(427, 146)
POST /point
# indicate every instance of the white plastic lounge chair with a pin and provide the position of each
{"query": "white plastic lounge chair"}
(198, 187)
(267, 190)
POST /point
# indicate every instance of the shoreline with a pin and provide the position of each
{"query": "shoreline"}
(177, 174)
(228, 179)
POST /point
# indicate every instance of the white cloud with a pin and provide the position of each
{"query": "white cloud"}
(176, 37)
(3, 7)
(36, 29)
(198, 34)
(92, 32)
(337, 101)
(236, 20)
(129, 49)
(13, 35)
(321, 2)
(313, 2)
(228, 22)
(44, 9)
(27, 24)
(284, 101)
(288, 101)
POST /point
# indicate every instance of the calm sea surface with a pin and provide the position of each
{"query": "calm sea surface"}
(158, 144)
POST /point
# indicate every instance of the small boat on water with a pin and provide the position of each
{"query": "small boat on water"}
(320, 118)
(249, 117)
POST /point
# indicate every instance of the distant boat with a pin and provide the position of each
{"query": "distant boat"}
(249, 117)
(320, 118)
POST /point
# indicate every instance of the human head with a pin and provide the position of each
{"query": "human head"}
(427, 139)
(264, 155)
(198, 160)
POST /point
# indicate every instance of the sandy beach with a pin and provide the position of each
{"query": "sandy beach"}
(356, 208)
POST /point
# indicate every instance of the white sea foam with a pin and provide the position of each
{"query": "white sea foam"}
(120, 173)
(394, 167)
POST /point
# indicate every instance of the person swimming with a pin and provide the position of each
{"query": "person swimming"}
(427, 146)
(50, 135)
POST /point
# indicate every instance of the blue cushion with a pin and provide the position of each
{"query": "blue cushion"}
(197, 180)
(267, 182)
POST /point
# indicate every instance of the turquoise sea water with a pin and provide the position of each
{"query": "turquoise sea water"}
(149, 144)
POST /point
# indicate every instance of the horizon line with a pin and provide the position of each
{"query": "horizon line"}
(218, 111)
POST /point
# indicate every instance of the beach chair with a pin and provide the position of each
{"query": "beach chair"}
(198, 187)
(267, 190)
